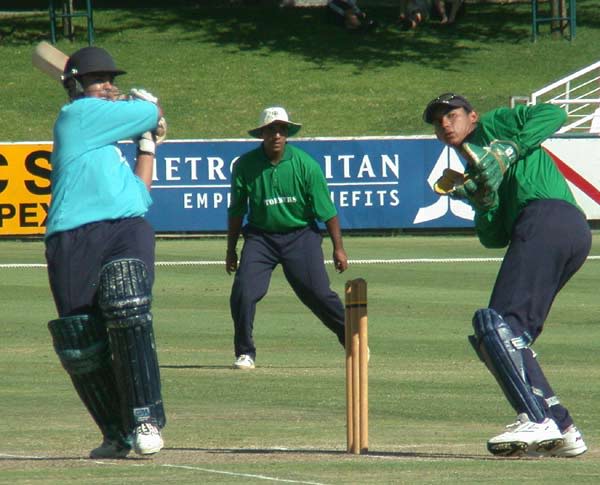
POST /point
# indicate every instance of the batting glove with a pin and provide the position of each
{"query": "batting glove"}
(160, 133)
(143, 94)
(147, 143)
(161, 130)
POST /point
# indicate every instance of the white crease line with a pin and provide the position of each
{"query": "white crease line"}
(246, 475)
(4, 455)
(183, 467)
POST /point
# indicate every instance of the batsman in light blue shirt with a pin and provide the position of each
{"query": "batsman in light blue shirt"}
(91, 180)
(100, 254)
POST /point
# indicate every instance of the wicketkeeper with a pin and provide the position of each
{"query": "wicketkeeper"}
(100, 254)
(521, 200)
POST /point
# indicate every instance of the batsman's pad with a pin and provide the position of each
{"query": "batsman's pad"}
(501, 350)
(124, 297)
(81, 343)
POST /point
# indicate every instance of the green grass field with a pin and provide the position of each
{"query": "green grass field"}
(433, 405)
(215, 68)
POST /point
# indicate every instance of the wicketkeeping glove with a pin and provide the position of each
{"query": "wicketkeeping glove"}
(483, 199)
(449, 181)
(488, 164)
(463, 187)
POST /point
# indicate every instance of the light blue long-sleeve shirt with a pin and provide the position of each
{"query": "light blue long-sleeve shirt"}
(91, 180)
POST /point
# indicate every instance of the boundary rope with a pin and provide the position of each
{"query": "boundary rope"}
(351, 261)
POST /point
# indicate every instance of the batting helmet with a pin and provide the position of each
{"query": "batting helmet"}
(88, 60)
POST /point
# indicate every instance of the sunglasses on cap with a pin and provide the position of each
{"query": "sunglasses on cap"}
(450, 100)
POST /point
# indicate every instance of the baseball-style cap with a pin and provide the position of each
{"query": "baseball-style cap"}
(450, 100)
(271, 115)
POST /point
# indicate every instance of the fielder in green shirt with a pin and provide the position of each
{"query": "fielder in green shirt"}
(522, 201)
(282, 196)
(282, 192)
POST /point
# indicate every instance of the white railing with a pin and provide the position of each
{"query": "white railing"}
(578, 94)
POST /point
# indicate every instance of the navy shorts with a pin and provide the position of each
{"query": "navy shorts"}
(76, 257)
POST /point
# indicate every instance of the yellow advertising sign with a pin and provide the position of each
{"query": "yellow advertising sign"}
(24, 188)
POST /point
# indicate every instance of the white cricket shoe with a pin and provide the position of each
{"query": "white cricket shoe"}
(147, 439)
(110, 449)
(572, 446)
(244, 362)
(525, 436)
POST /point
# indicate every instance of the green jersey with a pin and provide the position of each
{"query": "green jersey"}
(534, 176)
(280, 197)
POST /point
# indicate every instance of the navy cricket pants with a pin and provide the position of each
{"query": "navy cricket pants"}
(551, 240)
(76, 257)
(300, 254)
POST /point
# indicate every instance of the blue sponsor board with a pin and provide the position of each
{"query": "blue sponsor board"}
(376, 183)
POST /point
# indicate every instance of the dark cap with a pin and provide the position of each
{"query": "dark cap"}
(450, 100)
(88, 60)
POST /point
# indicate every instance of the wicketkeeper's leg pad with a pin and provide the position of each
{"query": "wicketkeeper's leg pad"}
(81, 343)
(502, 350)
(124, 297)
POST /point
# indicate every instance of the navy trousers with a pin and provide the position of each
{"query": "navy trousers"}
(550, 241)
(76, 257)
(300, 254)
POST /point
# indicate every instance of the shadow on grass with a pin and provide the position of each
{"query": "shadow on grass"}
(7, 458)
(305, 32)
(281, 451)
(308, 34)
(370, 454)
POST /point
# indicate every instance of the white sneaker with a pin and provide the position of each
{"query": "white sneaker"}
(243, 362)
(525, 436)
(147, 439)
(572, 446)
(110, 449)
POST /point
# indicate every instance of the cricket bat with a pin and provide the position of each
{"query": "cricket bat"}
(49, 60)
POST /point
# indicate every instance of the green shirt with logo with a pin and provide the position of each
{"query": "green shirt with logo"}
(280, 197)
(534, 176)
